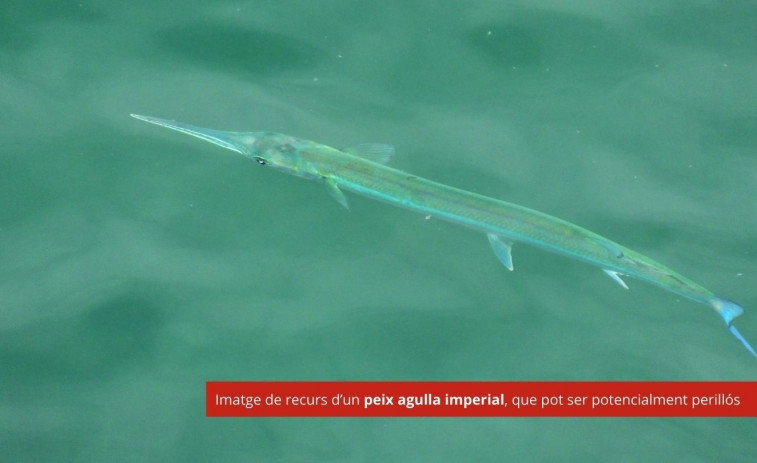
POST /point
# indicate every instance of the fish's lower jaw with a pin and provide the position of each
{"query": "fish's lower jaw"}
(730, 310)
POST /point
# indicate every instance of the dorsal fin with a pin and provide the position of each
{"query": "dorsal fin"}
(376, 152)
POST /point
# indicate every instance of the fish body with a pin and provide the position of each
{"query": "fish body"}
(362, 169)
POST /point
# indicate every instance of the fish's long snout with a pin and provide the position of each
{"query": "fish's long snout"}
(234, 141)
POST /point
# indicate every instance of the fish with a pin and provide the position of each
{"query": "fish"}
(363, 169)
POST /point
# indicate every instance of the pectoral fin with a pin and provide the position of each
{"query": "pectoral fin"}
(616, 277)
(502, 249)
(335, 192)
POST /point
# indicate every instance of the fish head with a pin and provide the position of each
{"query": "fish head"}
(276, 150)
(282, 152)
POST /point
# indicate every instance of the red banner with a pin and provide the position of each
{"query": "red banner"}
(480, 399)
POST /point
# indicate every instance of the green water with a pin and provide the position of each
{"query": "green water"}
(136, 263)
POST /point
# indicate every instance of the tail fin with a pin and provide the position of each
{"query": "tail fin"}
(730, 310)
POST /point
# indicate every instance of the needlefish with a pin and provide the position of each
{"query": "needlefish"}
(362, 169)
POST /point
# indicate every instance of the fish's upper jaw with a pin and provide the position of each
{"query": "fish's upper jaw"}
(240, 142)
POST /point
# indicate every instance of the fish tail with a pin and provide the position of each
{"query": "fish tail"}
(730, 310)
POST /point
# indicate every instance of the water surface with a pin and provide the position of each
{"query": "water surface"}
(138, 264)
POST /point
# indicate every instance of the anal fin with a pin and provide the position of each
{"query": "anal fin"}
(502, 249)
(616, 277)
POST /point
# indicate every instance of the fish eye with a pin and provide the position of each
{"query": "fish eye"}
(260, 161)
